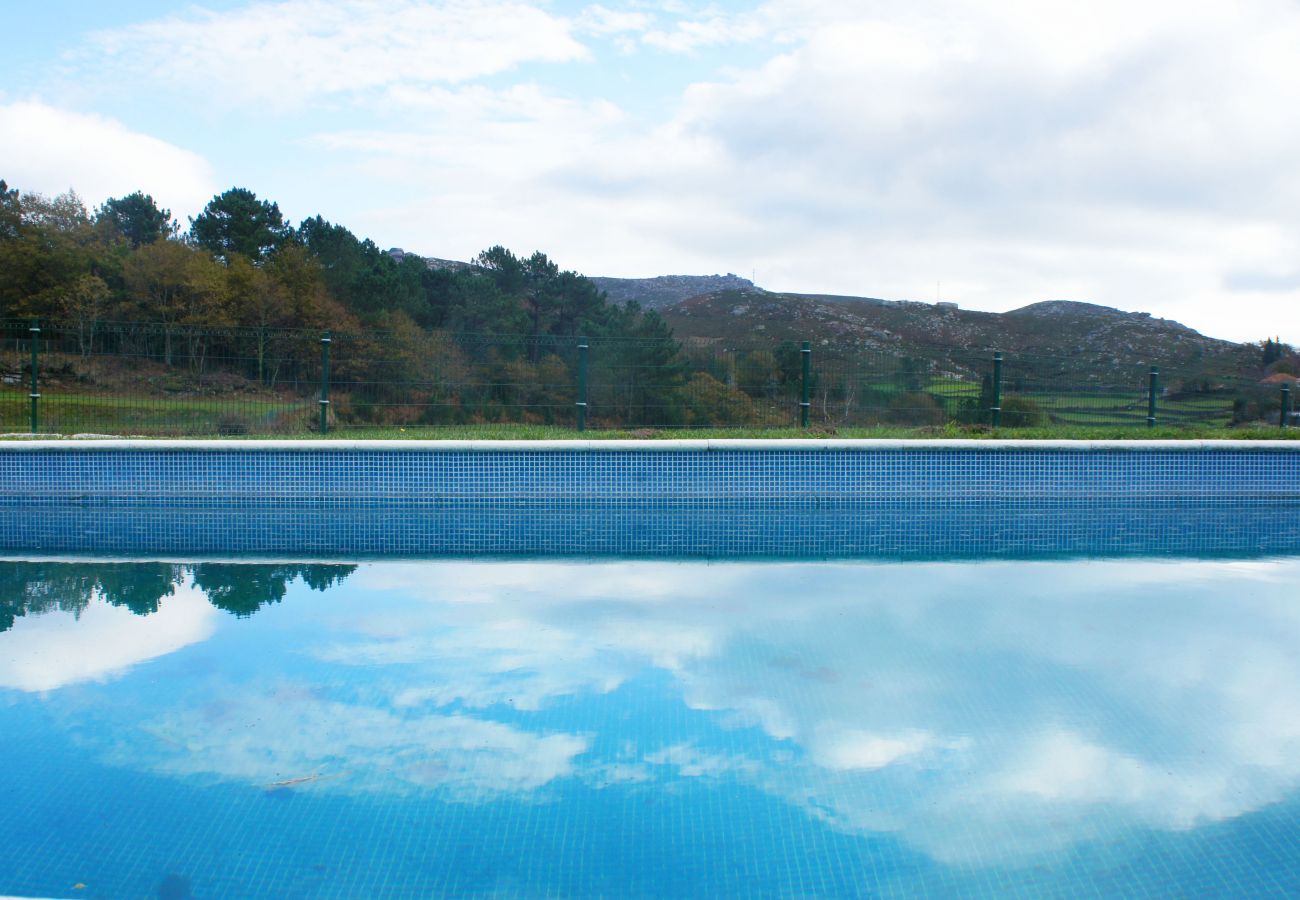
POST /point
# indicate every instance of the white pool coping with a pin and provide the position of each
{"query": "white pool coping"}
(656, 446)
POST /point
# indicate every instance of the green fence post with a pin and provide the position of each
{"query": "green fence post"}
(35, 392)
(1286, 406)
(325, 383)
(805, 384)
(995, 411)
(1153, 387)
(581, 402)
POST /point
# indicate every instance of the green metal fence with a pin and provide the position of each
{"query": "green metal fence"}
(177, 379)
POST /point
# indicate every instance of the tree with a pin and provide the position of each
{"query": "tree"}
(647, 367)
(137, 218)
(11, 212)
(365, 279)
(1272, 352)
(477, 306)
(180, 288)
(553, 302)
(64, 214)
(711, 404)
(237, 222)
(48, 244)
(258, 303)
(758, 374)
(83, 305)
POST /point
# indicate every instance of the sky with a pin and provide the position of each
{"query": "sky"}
(994, 154)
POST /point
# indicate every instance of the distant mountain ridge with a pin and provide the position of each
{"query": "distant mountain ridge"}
(734, 311)
(1077, 335)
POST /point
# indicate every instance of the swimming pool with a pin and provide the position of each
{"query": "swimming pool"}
(564, 728)
(272, 671)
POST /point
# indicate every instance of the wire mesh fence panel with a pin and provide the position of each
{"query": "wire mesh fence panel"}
(178, 379)
(701, 385)
(438, 379)
(1039, 391)
(15, 374)
(870, 388)
(1200, 399)
(160, 379)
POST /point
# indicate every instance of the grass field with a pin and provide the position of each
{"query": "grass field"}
(542, 432)
(1074, 415)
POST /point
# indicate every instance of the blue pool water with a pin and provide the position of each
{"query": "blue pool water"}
(902, 727)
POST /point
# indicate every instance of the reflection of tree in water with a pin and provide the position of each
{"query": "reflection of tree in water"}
(139, 587)
(35, 588)
(244, 589)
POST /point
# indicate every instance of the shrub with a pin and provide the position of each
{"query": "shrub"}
(232, 423)
(915, 408)
(1022, 412)
(710, 403)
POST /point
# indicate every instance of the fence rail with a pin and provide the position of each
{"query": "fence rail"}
(179, 379)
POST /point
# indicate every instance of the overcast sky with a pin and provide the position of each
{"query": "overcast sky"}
(1140, 155)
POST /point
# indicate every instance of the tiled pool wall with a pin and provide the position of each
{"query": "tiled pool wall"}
(770, 471)
(651, 498)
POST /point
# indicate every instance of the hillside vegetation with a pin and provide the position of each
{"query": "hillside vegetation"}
(145, 329)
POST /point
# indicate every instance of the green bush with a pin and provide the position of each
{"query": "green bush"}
(915, 408)
(1022, 412)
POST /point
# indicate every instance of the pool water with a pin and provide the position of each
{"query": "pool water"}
(624, 728)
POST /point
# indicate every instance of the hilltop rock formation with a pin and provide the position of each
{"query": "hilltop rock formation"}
(665, 290)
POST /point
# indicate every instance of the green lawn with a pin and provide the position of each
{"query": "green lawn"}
(542, 432)
(99, 413)
(1081, 416)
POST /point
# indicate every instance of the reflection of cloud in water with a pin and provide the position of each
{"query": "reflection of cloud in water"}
(933, 700)
(293, 733)
(690, 761)
(980, 711)
(846, 749)
(42, 653)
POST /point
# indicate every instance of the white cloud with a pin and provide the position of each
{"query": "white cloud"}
(1136, 175)
(284, 53)
(601, 20)
(1014, 151)
(44, 653)
(689, 35)
(49, 150)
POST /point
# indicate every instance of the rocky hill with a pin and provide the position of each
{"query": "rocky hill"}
(1052, 336)
(665, 290)
(1059, 335)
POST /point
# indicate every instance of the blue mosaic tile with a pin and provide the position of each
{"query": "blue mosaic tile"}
(488, 476)
(690, 504)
